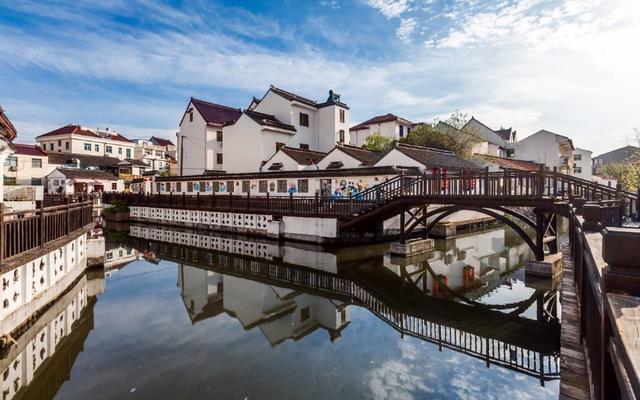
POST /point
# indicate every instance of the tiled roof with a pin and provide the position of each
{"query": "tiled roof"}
(161, 141)
(509, 163)
(366, 157)
(6, 127)
(378, 120)
(505, 133)
(215, 113)
(268, 120)
(28, 150)
(85, 160)
(334, 98)
(131, 161)
(304, 156)
(619, 155)
(430, 157)
(87, 174)
(78, 130)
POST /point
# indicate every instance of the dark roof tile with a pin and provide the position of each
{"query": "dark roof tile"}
(366, 157)
(268, 120)
(379, 119)
(430, 157)
(28, 150)
(86, 174)
(304, 156)
(215, 113)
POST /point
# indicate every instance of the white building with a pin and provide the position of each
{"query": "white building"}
(498, 143)
(388, 125)
(79, 140)
(213, 137)
(26, 166)
(152, 154)
(548, 148)
(70, 181)
(347, 156)
(582, 164)
(292, 159)
(7, 134)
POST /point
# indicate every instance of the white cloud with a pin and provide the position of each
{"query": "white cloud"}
(406, 28)
(390, 8)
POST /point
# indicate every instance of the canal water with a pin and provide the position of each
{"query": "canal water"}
(223, 317)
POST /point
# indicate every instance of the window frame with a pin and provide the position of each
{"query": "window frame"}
(303, 119)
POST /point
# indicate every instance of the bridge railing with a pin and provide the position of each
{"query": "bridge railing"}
(25, 230)
(439, 187)
(611, 369)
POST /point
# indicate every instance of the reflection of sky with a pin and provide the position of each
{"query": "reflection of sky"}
(143, 340)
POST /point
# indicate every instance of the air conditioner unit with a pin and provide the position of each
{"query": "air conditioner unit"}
(13, 168)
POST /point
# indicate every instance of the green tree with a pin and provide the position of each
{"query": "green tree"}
(627, 172)
(377, 142)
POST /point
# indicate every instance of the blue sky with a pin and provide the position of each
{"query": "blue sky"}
(568, 66)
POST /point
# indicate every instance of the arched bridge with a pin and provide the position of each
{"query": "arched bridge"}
(421, 200)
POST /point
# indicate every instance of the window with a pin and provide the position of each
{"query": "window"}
(108, 149)
(246, 185)
(189, 186)
(97, 147)
(66, 145)
(59, 143)
(341, 135)
(11, 161)
(279, 145)
(231, 186)
(157, 187)
(9, 181)
(577, 170)
(190, 116)
(304, 146)
(36, 181)
(282, 186)
(304, 119)
(303, 185)
(219, 158)
(219, 136)
(203, 187)
(158, 153)
(87, 147)
(178, 186)
(36, 163)
(148, 152)
(119, 150)
(304, 314)
(114, 186)
(128, 153)
(577, 157)
(342, 112)
(216, 187)
(262, 187)
(51, 147)
(401, 130)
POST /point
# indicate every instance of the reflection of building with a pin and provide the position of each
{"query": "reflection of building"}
(201, 292)
(118, 257)
(280, 313)
(466, 262)
(40, 360)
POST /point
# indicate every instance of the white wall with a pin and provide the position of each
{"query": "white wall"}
(541, 148)
(582, 164)
(243, 146)
(76, 145)
(191, 144)
(339, 155)
(397, 158)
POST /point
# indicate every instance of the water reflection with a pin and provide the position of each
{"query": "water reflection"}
(39, 362)
(191, 314)
(440, 297)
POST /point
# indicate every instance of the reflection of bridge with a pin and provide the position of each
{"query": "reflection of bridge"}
(502, 338)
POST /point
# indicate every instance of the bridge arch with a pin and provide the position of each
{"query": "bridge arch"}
(451, 209)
